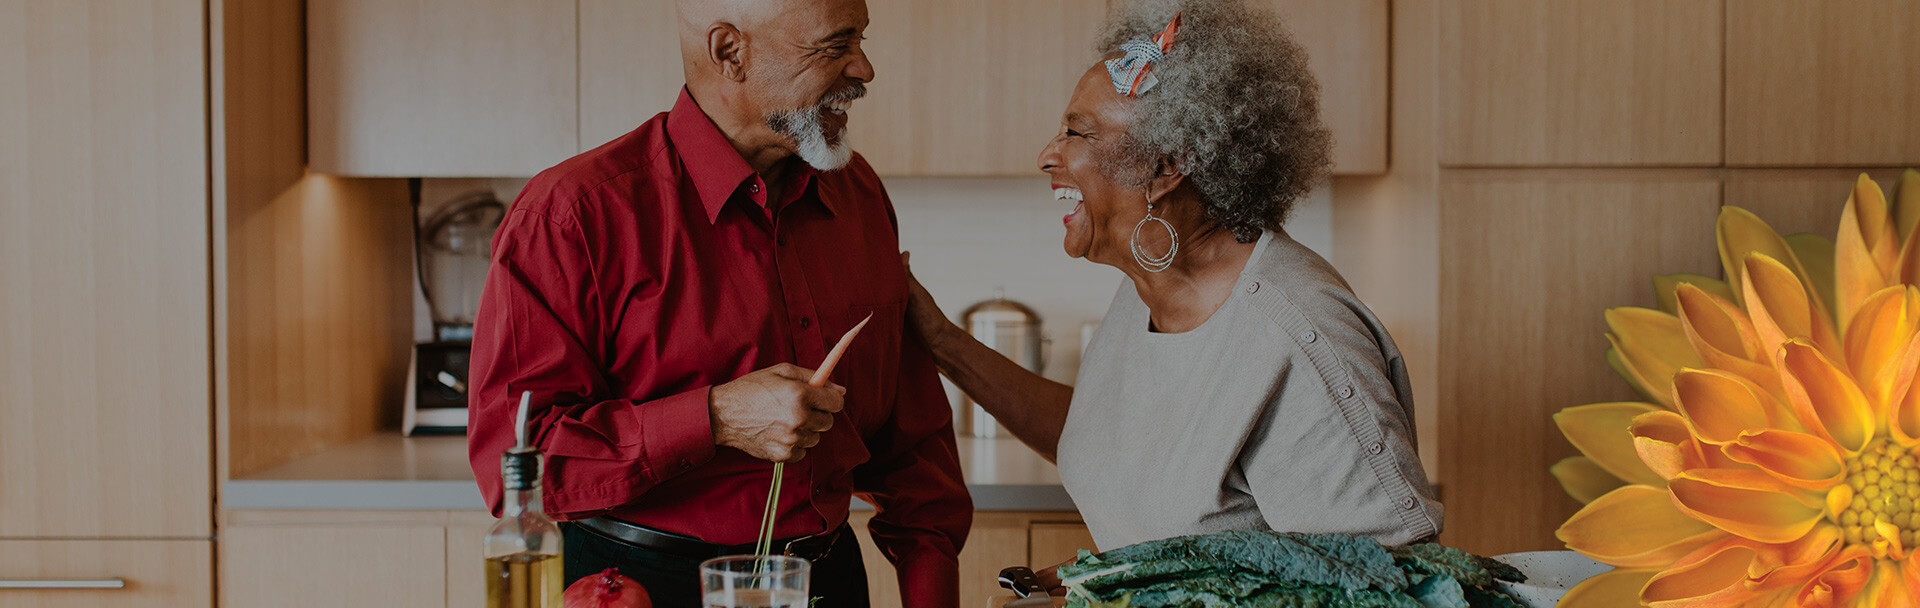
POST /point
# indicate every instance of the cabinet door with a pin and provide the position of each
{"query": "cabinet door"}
(996, 541)
(105, 349)
(970, 88)
(1580, 82)
(1346, 42)
(1053, 543)
(1531, 262)
(1823, 83)
(466, 576)
(629, 65)
(441, 88)
(148, 573)
(330, 566)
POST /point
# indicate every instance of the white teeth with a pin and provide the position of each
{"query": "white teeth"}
(1067, 194)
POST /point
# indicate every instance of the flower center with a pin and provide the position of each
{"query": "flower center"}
(1885, 479)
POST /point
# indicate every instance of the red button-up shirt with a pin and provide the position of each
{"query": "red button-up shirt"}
(628, 281)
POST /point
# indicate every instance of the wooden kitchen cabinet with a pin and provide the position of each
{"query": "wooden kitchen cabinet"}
(1581, 82)
(1346, 42)
(375, 562)
(408, 89)
(1053, 543)
(441, 88)
(152, 573)
(105, 352)
(970, 88)
(466, 577)
(629, 65)
(1532, 259)
(997, 540)
(1831, 83)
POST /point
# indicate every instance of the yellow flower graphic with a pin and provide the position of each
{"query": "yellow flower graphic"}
(1777, 460)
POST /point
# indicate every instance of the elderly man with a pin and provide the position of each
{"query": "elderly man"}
(663, 297)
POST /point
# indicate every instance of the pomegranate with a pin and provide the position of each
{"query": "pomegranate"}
(608, 589)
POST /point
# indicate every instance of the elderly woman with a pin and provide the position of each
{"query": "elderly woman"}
(1236, 382)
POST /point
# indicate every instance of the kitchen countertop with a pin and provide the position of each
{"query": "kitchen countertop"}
(388, 471)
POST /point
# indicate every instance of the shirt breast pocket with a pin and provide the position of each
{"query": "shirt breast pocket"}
(870, 369)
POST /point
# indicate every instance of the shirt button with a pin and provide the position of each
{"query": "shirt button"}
(782, 239)
(1376, 447)
(1253, 287)
(1345, 392)
(805, 322)
(754, 188)
(1407, 503)
(1309, 337)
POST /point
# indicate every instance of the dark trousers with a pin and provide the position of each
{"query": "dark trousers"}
(673, 581)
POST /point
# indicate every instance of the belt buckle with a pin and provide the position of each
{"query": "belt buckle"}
(789, 551)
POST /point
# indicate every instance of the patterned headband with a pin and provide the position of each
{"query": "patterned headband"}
(1133, 72)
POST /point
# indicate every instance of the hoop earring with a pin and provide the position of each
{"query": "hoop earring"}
(1152, 263)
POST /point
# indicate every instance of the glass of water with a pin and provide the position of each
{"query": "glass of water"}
(745, 581)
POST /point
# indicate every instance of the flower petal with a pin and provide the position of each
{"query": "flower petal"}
(1664, 284)
(1782, 309)
(1611, 589)
(1839, 582)
(1724, 338)
(1665, 444)
(1888, 589)
(1713, 579)
(1748, 504)
(1798, 459)
(1881, 330)
(1633, 377)
(1602, 431)
(1740, 232)
(1828, 402)
(1886, 543)
(1865, 254)
(1720, 406)
(1904, 422)
(1906, 207)
(1816, 257)
(1584, 480)
(1653, 345)
(1789, 565)
(1635, 526)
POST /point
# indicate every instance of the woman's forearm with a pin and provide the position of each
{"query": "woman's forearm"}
(1032, 407)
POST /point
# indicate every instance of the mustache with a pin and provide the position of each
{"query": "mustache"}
(847, 94)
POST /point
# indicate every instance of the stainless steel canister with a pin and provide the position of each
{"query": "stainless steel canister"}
(1013, 329)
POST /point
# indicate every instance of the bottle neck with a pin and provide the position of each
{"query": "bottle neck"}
(522, 501)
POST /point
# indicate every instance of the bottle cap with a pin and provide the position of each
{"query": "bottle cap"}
(520, 468)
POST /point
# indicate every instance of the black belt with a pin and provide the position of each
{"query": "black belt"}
(810, 548)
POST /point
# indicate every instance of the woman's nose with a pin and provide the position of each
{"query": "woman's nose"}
(1050, 156)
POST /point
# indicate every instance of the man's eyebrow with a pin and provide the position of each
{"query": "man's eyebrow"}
(1075, 117)
(846, 32)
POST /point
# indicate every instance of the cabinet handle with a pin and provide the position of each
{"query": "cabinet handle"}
(63, 583)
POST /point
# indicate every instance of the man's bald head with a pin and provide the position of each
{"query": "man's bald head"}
(776, 70)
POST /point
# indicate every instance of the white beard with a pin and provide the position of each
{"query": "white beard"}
(810, 136)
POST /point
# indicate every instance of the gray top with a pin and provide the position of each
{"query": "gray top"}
(1288, 409)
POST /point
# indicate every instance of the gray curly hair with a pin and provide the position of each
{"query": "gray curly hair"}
(1235, 108)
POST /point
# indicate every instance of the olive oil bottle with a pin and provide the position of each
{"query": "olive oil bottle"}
(523, 548)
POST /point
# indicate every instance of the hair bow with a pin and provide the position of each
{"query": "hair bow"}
(1133, 72)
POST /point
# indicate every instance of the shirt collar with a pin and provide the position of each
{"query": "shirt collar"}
(717, 170)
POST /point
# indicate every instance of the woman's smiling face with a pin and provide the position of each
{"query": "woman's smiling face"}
(1104, 212)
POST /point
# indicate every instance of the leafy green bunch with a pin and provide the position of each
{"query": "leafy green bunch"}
(1262, 569)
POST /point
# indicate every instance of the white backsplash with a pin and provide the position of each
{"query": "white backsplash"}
(970, 237)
